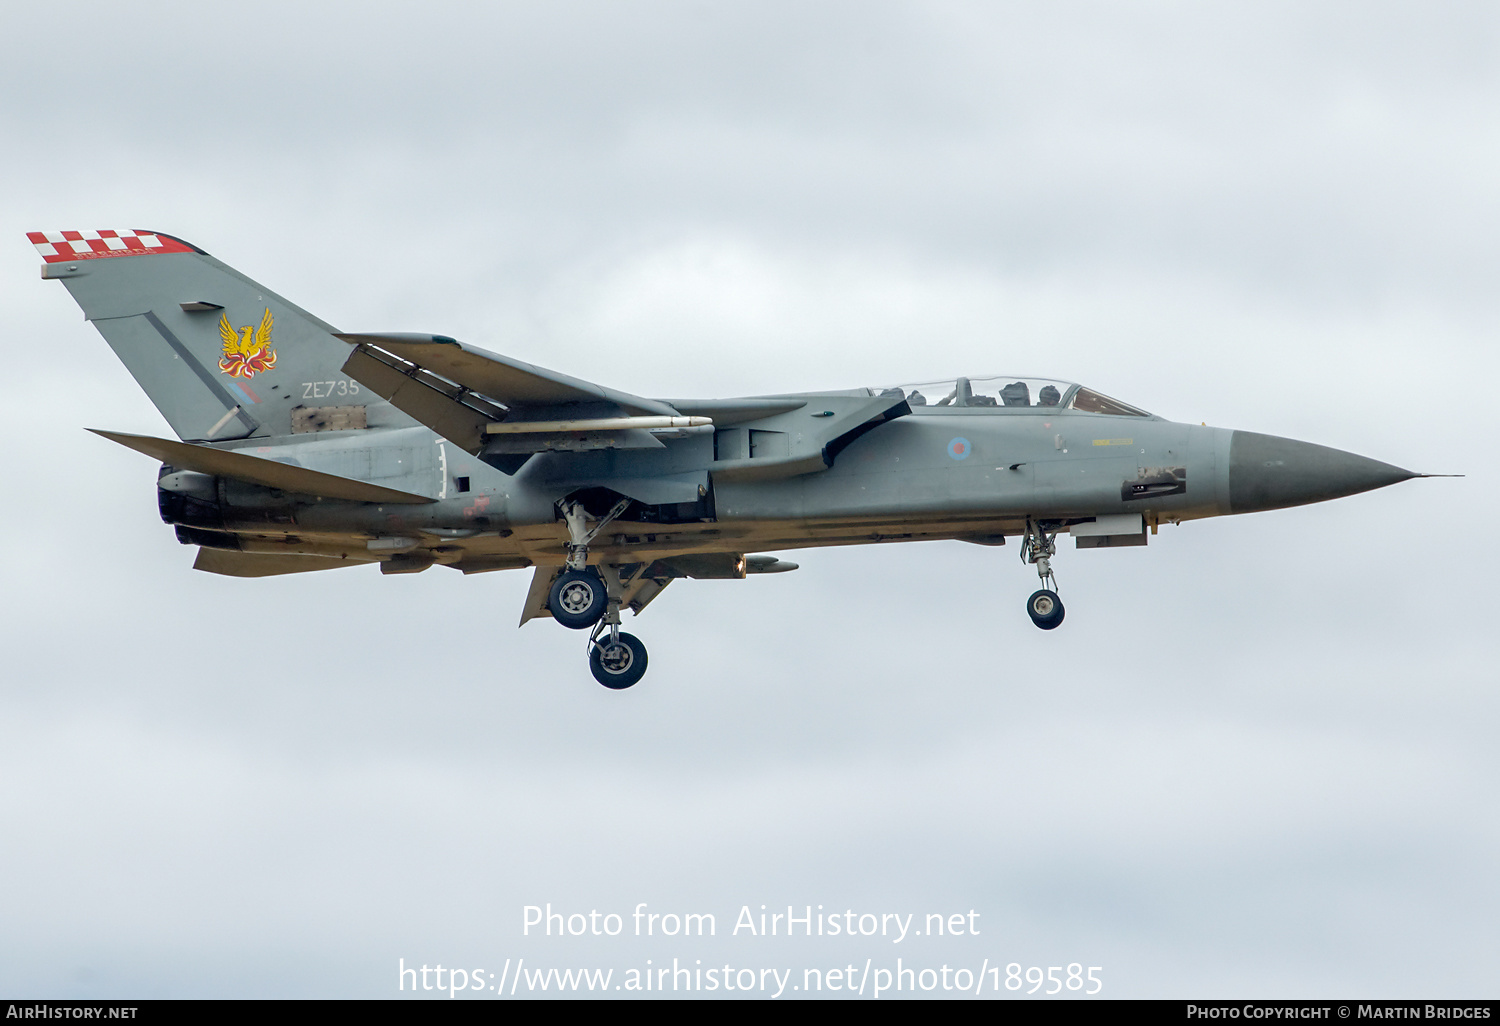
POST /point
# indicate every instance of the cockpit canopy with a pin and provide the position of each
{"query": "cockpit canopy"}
(1011, 392)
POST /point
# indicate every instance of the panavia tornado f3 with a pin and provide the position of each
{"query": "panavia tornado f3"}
(301, 447)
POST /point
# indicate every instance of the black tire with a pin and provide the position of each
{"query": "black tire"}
(617, 667)
(577, 599)
(1045, 609)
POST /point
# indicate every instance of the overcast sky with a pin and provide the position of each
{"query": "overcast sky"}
(1257, 760)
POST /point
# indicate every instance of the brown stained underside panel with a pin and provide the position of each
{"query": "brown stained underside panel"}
(308, 419)
(262, 564)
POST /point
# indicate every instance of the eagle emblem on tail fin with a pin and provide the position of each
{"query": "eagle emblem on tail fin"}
(247, 350)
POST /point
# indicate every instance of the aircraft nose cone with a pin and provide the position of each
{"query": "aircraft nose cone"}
(1266, 472)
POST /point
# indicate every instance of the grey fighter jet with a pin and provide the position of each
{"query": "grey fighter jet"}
(301, 447)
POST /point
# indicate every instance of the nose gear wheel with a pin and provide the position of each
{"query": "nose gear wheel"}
(1045, 609)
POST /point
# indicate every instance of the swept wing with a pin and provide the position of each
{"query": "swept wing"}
(463, 392)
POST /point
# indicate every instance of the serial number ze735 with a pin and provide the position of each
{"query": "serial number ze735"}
(324, 389)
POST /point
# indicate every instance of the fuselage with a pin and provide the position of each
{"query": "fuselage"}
(934, 472)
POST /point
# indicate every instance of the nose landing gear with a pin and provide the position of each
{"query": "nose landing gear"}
(1038, 547)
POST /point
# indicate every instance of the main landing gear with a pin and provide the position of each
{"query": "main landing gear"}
(588, 598)
(616, 659)
(1038, 547)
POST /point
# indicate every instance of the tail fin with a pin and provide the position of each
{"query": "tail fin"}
(221, 356)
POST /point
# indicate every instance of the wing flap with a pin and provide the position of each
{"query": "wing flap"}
(260, 471)
(435, 403)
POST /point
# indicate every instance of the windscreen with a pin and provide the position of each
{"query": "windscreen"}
(1089, 401)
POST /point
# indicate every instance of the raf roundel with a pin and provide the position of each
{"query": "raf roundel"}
(959, 448)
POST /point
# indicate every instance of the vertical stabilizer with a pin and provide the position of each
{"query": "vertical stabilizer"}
(221, 356)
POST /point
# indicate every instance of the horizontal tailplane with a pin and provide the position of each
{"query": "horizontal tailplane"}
(267, 472)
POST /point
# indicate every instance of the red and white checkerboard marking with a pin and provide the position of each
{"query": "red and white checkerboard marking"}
(55, 247)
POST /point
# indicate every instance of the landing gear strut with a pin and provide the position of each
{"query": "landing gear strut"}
(1038, 547)
(579, 531)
